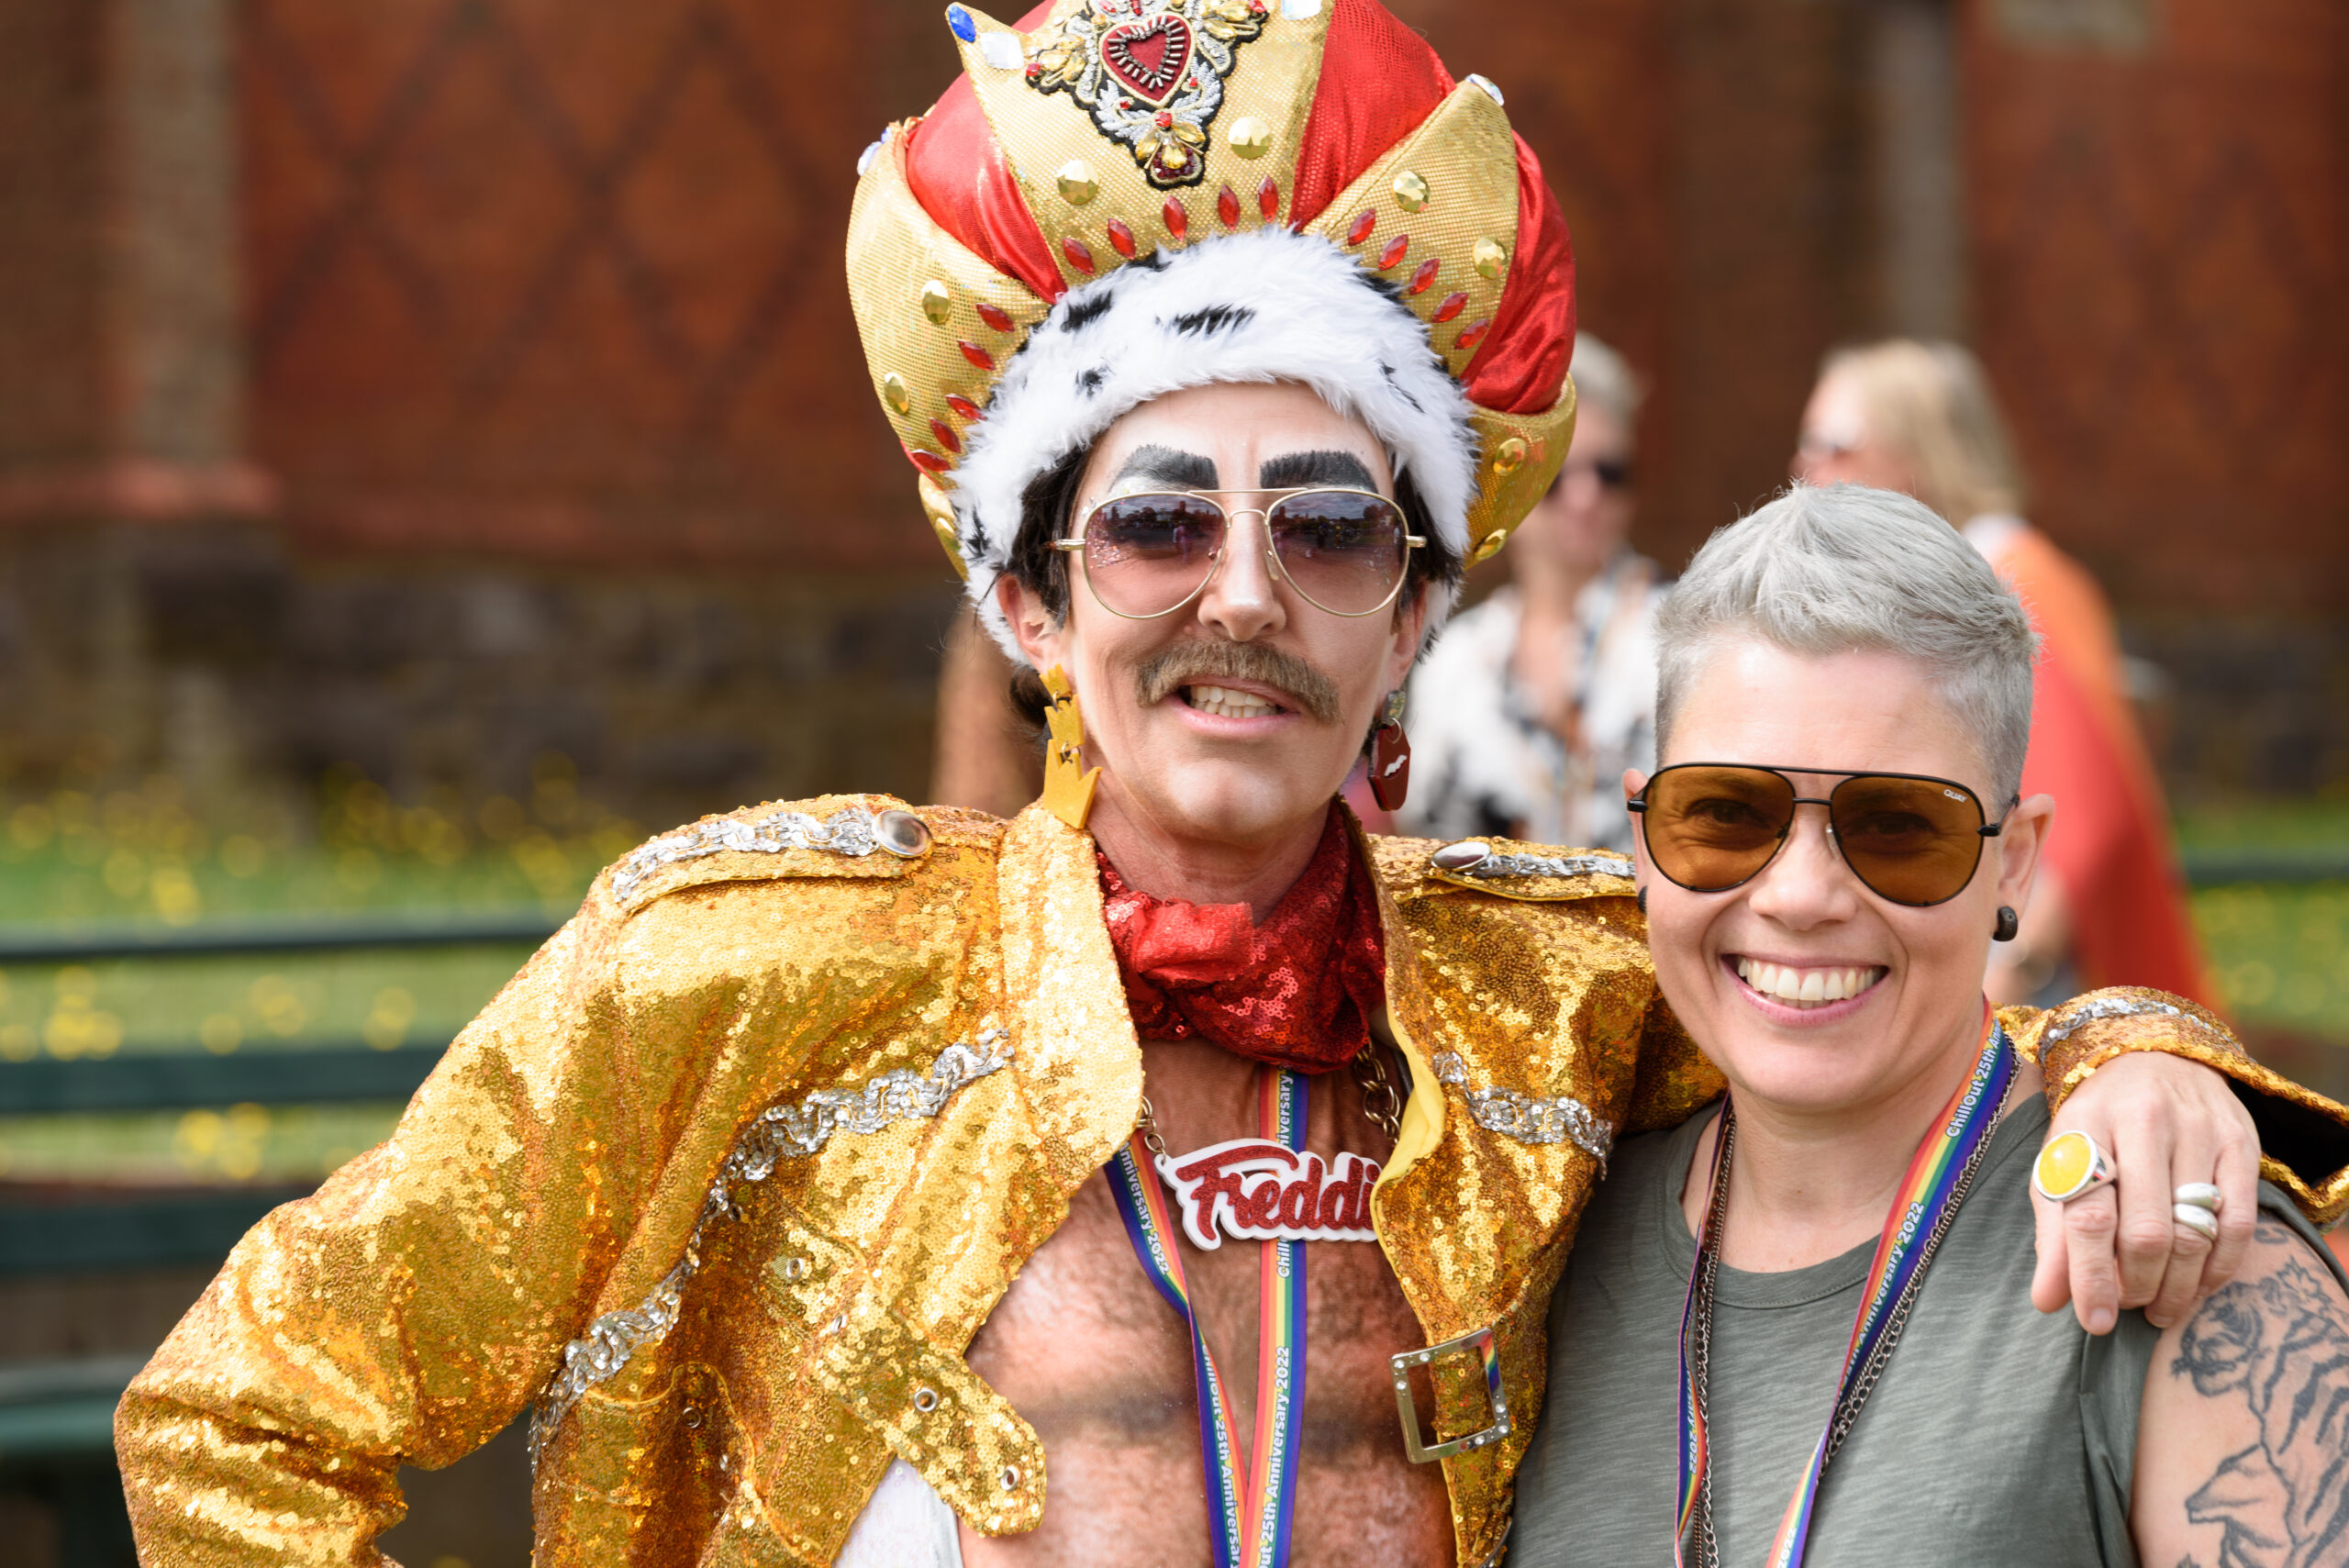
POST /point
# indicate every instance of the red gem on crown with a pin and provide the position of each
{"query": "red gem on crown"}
(996, 317)
(1425, 276)
(1396, 249)
(1451, 305)
(1359, 229)
(975, 354)
(1121, 238)
(962, 406)
(1177, 216)
(1079, 254)
(1227, 207)
(1268, 199)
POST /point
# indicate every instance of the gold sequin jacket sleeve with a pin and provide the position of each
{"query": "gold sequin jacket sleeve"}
(551, 1168)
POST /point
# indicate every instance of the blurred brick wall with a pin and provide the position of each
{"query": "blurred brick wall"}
(2160, 264)
(462, 303)
(2161, 218)
(427, 387)
(49, 233)
(2153, 227)
(563, 277)
(2149, 220)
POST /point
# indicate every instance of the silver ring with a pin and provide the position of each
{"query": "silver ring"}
(2200, 1195)
(2195, 1218)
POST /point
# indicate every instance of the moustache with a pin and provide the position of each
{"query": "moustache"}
(1169, 670)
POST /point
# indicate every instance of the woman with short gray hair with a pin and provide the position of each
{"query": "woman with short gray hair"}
(1790, 1331)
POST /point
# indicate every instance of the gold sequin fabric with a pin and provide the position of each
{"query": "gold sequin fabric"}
(2300, 1131)
(725, 1181)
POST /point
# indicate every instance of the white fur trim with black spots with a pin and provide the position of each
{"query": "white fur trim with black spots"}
(1270, 306)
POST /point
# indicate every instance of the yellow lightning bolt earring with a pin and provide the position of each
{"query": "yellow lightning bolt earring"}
(1068, 786)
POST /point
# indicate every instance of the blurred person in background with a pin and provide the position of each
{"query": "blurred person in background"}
(1526, 713)
(1920, 417)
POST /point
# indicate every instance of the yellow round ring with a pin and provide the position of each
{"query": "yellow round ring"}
(2070, 1166)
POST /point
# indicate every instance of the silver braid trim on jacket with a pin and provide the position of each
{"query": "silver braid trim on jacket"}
(795, 1131)
(1547, 865)
(1563, 1120)
(849, 832)
(2077, 1015)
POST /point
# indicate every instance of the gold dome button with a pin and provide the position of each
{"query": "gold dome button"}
(1489, 547)
(1491, 258)
(1508, 454)
(895, 393)
(937, 302)
(1251, 138)
(1410, 191)
(1076, 182)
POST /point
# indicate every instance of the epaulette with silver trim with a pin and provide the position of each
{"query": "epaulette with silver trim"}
(1473, 863)
(854, 832)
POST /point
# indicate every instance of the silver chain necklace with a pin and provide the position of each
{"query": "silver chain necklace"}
(1700, 1335)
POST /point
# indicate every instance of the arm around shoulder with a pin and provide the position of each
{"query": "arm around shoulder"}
(2303, 1137)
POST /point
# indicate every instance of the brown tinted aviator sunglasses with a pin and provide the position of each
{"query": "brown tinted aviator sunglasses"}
(1910, 838)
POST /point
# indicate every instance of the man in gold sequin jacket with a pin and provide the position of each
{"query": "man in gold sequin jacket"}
(774, 1184)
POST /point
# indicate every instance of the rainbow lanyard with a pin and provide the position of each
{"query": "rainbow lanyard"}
(1250, 1505)
(1939, 1174)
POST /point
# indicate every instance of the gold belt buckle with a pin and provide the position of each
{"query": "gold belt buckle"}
(1478, 1340)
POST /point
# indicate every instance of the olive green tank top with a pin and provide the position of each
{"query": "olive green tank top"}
(1995, 1435)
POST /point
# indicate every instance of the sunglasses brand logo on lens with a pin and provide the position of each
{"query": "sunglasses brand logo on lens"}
(1909, 838)
(1148, 555)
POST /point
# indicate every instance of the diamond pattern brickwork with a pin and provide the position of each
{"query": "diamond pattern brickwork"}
(563, 276)
(2159, 264)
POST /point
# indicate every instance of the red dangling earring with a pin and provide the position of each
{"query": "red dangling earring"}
(1391, 756)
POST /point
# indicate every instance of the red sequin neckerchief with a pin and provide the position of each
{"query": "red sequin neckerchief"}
(1298, 991)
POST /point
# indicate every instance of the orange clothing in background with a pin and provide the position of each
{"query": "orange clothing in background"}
(2111, 848)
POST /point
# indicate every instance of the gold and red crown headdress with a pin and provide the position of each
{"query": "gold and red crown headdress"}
(1120, 199)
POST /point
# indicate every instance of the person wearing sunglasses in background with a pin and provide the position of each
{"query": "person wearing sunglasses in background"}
(2110, 907)
(1788, 1332)
(1526, 713)
(849, 1182)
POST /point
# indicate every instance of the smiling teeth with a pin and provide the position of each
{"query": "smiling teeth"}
(1806, 988)
(1224, 702)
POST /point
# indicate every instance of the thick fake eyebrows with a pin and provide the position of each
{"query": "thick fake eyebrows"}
(1164, 465)
(1291, 470)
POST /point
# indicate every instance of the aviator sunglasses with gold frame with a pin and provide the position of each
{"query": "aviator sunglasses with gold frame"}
(1149, 553)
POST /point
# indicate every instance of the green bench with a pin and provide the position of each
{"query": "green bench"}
(56, 1414)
